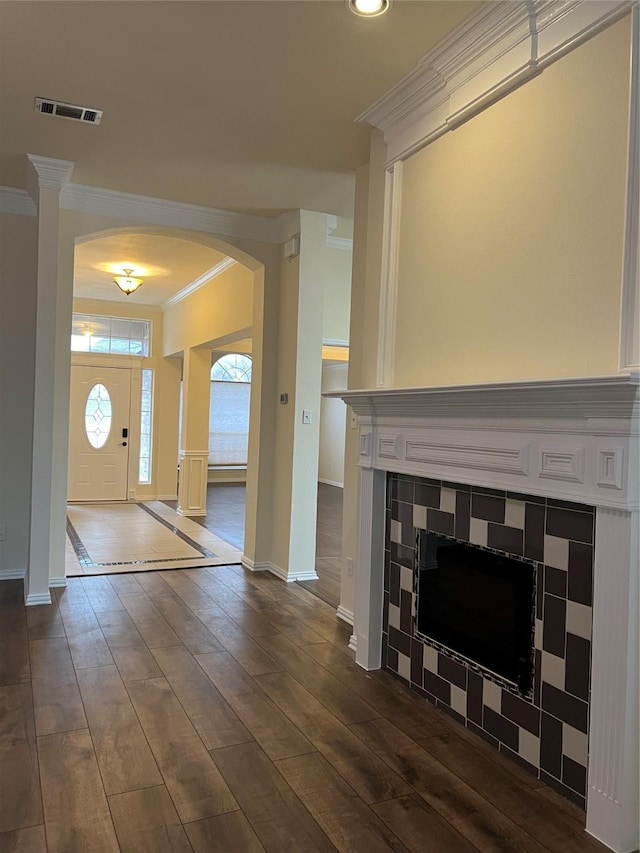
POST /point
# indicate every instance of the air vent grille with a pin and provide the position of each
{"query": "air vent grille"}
(70, 111)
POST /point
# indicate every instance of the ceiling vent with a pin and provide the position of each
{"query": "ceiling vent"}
(58, 108)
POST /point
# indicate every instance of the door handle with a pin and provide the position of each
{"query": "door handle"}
(122, 444)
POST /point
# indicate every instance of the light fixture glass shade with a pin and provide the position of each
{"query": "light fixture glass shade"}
(126, 283)
(368, 8)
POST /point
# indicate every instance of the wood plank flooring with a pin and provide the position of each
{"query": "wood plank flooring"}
(217, 711)
(225, 518)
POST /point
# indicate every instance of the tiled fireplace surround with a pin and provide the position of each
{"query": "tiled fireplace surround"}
(546, 471)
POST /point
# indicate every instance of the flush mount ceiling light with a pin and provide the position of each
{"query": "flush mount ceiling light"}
(127, 284)
(368, 8)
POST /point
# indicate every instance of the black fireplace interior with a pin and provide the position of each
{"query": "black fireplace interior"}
(478, 604)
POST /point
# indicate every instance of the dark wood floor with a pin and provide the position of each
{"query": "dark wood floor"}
(216, 710)
(225, 518)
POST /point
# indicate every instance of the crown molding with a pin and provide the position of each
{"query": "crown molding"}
(46, 173)
(199, 282)
(16, 201)
(489, 54)
(157, 211)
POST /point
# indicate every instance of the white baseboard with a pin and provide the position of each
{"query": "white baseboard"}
(173, 497)
(57, 582)
(255, 567)
(352, 642)
(11, 574)
(331, 483)
(228, 476)
(345, 615)
(38, 598)
(290, 577)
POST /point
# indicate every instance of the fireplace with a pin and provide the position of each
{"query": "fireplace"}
(546, 472)
(478, 604)
(507, 660)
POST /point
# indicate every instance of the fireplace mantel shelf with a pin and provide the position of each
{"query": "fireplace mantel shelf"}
(600, 397)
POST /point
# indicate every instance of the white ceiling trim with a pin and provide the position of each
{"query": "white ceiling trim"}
(156, 211)
(493, 51)
(16, 201)
(199, 282)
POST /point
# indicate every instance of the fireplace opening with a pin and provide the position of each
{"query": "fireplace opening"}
(478, 604)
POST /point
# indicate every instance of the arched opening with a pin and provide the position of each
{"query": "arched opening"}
(165, 351)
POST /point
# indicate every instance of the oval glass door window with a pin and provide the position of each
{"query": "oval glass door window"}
(97, 416)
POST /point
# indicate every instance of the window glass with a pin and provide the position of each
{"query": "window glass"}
(229, 410)
(97, 416)
(146, 420)
(116, 335)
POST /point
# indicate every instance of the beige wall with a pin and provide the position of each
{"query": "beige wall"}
(218, 310)
(18, 272)
(336, 274)
(511, 231)
(332, 426)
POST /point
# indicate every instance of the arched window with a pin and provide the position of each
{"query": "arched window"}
(229, 410)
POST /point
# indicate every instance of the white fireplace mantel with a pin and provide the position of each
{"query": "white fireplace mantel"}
(569, 439)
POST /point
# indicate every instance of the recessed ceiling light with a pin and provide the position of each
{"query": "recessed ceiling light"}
(368, 8)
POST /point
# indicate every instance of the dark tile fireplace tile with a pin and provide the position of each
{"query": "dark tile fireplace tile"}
(534, 532)
(452, 671)
(405, 490)
(554, 630)
(501, 728)
(406, 617)
(488, 507)
(563, 790)
(441, 522)
(503, 538)
(474, 698)
(428, 495)
(578, 666)
(437, 686)
(567, 524)
(399, 641)
(574, 775)
(522, 713)
(463, 515)
(417, 655)
(555, 581)
(580, 588)
(567, 708)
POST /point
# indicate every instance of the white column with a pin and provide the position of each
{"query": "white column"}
(613, 793)
(389, 276)
(370, 569)
(47, 178)
(194, 450)
(630, 306)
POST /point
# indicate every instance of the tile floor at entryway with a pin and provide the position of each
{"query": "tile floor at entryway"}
(111, 538)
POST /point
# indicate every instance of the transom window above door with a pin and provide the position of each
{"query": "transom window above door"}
(114, 335)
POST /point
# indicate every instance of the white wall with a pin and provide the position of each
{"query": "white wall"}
(333, 414)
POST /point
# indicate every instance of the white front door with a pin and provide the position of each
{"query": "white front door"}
(99, 433)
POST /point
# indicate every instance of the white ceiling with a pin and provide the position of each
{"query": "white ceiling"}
(240, 105)
(166, 265)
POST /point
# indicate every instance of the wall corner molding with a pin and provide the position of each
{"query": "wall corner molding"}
(38, 598)
(57, 583)
(47, 173)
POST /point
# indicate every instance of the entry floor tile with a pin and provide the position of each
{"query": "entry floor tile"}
(107, 538)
